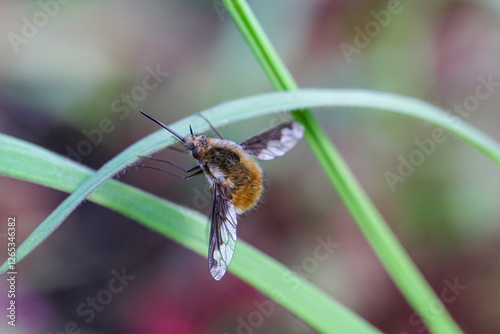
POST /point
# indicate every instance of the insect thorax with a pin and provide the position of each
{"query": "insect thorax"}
(224, 159)
(228, 164)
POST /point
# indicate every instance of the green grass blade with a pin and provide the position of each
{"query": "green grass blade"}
(20, 161)
(188, 227)
(392, 255)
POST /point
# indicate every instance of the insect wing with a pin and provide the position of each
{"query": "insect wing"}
(274, 142)
(222, 231)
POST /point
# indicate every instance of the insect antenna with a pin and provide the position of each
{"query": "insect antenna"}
(181, 138)
(213, 128)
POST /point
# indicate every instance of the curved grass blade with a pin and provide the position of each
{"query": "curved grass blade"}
(187, 227)
(243, 109)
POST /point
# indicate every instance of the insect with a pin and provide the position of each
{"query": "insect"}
(235, 178)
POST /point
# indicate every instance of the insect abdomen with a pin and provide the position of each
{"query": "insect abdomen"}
(248, 193)
(237, 170)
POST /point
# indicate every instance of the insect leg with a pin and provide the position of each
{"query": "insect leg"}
(171, 163)
(213, 128)
(169, 172)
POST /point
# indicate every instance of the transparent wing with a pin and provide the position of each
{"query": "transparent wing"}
(274, 142)
(222, 231)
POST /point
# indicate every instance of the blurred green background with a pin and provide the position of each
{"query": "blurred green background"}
(74, 75)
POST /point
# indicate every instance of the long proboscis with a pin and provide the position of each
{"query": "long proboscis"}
(181, 138)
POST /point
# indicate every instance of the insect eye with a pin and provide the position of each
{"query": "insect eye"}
(196, 151)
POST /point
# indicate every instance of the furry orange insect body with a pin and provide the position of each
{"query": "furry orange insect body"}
(226, 163)
(235, 177)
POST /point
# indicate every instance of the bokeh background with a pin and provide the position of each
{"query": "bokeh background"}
(79, 65)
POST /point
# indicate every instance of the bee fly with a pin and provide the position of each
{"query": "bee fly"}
(235, 178)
